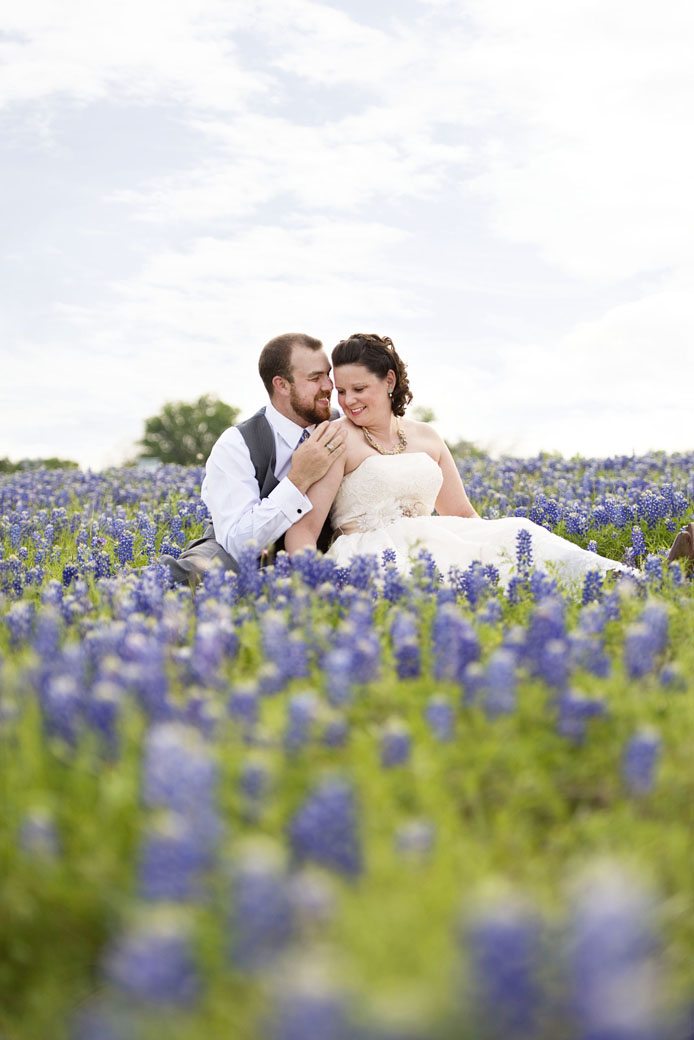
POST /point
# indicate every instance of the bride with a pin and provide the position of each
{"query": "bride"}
(394, 472)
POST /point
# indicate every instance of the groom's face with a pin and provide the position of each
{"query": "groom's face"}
(311, 386)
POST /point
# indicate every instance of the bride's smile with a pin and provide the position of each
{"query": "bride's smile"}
(364, 397)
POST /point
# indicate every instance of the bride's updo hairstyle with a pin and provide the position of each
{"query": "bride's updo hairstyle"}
(379, 356)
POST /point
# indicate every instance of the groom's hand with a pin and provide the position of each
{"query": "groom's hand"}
(315, 456)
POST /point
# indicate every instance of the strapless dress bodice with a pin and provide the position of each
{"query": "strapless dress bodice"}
(384, 489)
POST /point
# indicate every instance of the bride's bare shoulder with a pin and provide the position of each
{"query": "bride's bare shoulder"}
(350, 431)
(423, 433)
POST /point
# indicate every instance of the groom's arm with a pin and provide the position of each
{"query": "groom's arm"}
(304, 533)
(231, 493)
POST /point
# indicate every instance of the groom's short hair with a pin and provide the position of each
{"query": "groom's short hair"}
(276, 357)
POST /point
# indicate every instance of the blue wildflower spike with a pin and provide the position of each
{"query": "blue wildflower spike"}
(153, 963)
(613, 955)
(395, 745)
(261, 918)
(639, 761)
(325, 829)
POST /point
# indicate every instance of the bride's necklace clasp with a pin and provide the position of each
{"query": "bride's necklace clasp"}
(402, 442)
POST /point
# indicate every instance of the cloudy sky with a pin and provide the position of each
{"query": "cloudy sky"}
(504, 188)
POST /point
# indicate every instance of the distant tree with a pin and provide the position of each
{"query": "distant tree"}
(184, 432)
(423, 414)
(52, 463)
(466, 450)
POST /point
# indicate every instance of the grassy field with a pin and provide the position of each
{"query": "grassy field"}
(304, 802)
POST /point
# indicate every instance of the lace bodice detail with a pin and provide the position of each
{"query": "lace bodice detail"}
(385, 488)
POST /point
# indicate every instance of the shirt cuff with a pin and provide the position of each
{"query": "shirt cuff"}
(287, 498)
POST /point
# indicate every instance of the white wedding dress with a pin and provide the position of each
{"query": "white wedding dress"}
(387, 502)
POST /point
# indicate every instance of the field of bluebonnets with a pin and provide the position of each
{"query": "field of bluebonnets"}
(302, 802)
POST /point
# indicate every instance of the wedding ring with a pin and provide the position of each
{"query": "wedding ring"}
(330, 447)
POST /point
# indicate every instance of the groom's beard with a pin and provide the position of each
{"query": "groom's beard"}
(312, 413)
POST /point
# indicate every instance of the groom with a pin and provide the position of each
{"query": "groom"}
(258, 472)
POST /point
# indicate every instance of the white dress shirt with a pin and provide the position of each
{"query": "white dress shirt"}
(231, 493)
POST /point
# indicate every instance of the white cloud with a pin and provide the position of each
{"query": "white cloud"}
(600, 178)
(617, 384)
(345, 175)
(134, 49)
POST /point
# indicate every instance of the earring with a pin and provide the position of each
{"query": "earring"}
(390, 393)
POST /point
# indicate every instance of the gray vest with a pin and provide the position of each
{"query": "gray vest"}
(198, 555)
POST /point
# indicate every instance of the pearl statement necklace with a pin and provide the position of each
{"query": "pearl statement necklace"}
(387, 451)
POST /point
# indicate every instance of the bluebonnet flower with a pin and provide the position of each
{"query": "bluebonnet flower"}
(243, 704)
(592, 619)
(576, 523)
(517, 586)
(271, 679)
(403, 626)
(335, 732)
(454, 643)
(255, 781)
(261, 919)
(415, 838)
(366, 658)
(574, 709)
(474, 581)
(440, 717)
(52, 592)
(613, 952)
(592, 586)
(653, 569)
(395, 744)
(500, 684)
(394, 585)
(588, 652)
(70, 572)
(153, 962)
(504, 942)
(61, 707)
(171, 859)
(146, 673)
(655, 617)
(553, 663)
(302, 713)
(249, 577)
(38, 835)
(309, 1009)
(363, 572)
(524, 551)
(546, 623)
(425, 573)
(472, 682)
(491, 614)
(295, 664)
(639, 762)
(325, 829)
(407, 658)
(337, 671)
(673, 678)
(178, 772)
(312, 898)
(638, 542)
(639, 650)
(103, 711)
(20, 620)
(126, 543)
(388, 556)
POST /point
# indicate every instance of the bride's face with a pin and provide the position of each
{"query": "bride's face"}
(362, 395)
